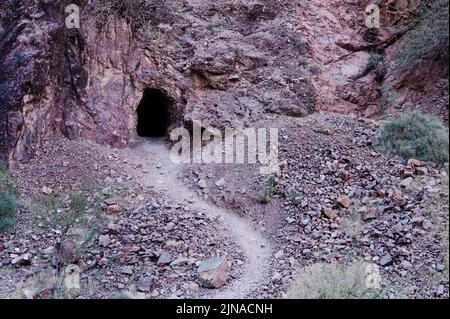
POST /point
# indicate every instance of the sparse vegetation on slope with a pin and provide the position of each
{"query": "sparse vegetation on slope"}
(136, 12)
(333, 281)
(70, 218)
(416, 136)
(269, 191)
(430, 35)
(8, 200)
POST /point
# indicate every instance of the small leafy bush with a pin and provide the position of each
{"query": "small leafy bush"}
(333, 281)
(416, 136)
(8, 200)
(292, 195)
(266, 198)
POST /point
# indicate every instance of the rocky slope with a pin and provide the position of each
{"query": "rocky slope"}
(336, 199)
(144, 242)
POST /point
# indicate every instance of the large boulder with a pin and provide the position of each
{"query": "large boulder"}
(213, 273)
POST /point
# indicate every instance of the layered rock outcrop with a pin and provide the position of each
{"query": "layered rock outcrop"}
(223, 64)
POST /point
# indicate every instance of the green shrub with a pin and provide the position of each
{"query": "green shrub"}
(8, 209)
(269, 191)
(292, 195)
(416, 136)
(8, 200)
(333, 281)
(7, 183)
(429, 35)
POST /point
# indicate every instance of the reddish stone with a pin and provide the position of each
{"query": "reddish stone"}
(113, 209)
(331, 214)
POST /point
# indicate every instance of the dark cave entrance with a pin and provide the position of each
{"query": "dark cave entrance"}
(153, 114)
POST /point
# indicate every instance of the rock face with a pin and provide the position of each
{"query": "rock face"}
(336, 68)
(356, 69)
(222, 64)
(214, 273)
(417, 84)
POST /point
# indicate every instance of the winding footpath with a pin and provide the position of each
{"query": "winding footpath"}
(162, 175)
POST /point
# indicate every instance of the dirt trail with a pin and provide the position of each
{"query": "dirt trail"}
(162, 174)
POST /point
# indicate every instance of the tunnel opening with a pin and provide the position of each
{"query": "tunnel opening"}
(153, 114)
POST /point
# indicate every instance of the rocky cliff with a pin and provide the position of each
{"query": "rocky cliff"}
(224, 63)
